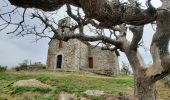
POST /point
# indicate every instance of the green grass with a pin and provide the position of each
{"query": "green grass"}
(71, 82)
(20, 90)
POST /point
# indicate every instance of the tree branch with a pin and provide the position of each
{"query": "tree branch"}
(106, 12)
(137, 36)
(66, 37)
(46, 5)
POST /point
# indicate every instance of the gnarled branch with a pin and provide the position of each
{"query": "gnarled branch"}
(106, 12)
(137, 36)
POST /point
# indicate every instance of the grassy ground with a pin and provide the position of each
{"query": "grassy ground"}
(163, 91)
(71, 82)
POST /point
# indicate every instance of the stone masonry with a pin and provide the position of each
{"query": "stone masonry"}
(79, 55)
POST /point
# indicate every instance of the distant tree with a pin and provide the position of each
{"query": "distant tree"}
(114, 15)
(22, 66)
(24, 63)
(37, 66)
(3, 68)
(125, 68)
(38, 63)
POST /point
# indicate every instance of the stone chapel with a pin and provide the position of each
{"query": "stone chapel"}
(76, 54)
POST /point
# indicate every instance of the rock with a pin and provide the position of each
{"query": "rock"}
(30, 83)
(67, 96)
(94, 92)
(82, 98)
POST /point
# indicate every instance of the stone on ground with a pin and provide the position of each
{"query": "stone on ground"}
(94, 92)
(30, 83)
(67, 96)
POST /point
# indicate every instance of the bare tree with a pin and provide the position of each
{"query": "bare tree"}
(107, 14)
(125, 68)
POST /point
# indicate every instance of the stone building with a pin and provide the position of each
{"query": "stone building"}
(79, 55)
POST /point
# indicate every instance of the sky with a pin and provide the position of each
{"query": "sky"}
(13, 50)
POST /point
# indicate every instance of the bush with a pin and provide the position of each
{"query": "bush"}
(2, 68)
(26, 66)
(21, 67)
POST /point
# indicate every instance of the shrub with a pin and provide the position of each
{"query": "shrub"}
(26, 66)
(2, 68)
(21, 67)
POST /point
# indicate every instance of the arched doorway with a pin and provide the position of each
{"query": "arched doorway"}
(59, 61)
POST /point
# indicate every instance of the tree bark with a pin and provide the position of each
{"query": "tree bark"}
(106, 12)
(143, 86)
(144, 90)
(159, 46)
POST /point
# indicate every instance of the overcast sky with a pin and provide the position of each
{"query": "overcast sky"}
(14, 50)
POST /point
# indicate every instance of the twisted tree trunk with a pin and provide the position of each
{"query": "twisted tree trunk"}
(144, 87)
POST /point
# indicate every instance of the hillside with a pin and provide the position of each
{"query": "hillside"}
(69, 82)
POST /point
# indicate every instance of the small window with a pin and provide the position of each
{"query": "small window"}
(60, 43)
(90, 62)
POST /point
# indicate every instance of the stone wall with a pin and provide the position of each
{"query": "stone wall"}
(67, 51)
(104, 60)
(76, 53)
(82, 53)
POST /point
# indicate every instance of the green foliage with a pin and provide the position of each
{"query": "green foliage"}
(21, 67)
(2, 68)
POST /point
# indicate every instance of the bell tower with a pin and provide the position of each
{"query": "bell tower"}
(63, 26)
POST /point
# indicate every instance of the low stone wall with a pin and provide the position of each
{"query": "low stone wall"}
(105, 72)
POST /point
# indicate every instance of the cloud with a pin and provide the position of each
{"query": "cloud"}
(14, 51)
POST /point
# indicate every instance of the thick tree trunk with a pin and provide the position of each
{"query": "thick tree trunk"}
(144, 87)
(144, 90)
(160, 43)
